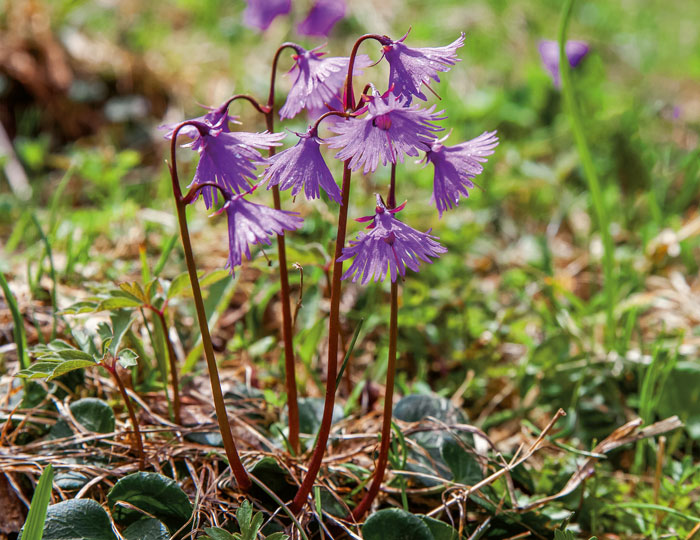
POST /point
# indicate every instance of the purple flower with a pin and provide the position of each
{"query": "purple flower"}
(228, 159)
(217, 117)
(455, 166)
(317, 80)
(388, 131)
(409, 67)
(250, 223)
(302, 164)
(549, 52)
(261, 13)
(322, 17)
(390, 244)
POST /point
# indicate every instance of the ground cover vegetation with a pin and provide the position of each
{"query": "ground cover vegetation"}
(435, 284)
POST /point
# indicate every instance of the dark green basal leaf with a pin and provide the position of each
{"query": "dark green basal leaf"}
(93, 414)
(153, 493)
(216, 533)
(77, 519)
(70, 480)
(270, 473)
(439, 529)
(146, 529)
(418, 406)
(463, 464)
(395, 524)
(311, 412)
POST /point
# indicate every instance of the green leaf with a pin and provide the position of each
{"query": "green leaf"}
(417, 406)
(84, 306)
(395, 524)
(277, 536)
(153, 493)
(77, 519)
(121, 321)
(213, 277)
(179, 284)
(117, 302)
(564, 535)
(18, 332)
(146, 529)
(215, 533)
(52, 368)
(463, 464)
(439, 529)
(34, 525)
(93, 414)
(70, 480)
(134, 289)
(127, 358)
(311, 412)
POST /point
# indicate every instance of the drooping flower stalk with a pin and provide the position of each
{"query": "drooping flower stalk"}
(334, 315)
(285, 297)
(239, 472)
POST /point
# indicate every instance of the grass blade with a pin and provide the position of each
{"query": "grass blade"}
(18, 324)
(34, 526)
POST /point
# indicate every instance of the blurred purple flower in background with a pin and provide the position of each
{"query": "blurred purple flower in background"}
(387, 132)
(317, 80)
(409, 67)
(390, 245)
(302, 165)
(322, 17)
(549, 52)
(455, 166)
(261, 13)
(250, 223)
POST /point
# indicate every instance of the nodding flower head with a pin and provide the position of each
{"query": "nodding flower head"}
(260, 13)
(409, 67)
(302, 165)
(217, 117)
(250, 224)
(317, 81)
(322, 17)
(549, 52)
(456, 166)
(229, 159)
(390, 247)
(387, 132)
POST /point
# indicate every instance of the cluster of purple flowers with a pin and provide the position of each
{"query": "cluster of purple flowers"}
(319, 21)
(384, 127)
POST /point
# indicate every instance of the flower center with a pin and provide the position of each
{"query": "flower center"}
(383, 122)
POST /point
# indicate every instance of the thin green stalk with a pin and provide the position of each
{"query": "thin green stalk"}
(383, 458)
(52, 271)
(609, 284)
(34, 526)
(239, 471)
(18, 324)
(173, 366)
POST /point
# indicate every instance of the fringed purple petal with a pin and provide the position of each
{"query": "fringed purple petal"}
(455, 166)
(302, 165)
(409, 68)
(387, 132)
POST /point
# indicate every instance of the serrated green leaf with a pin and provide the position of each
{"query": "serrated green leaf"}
(127, 358)
(134, 289)
(216, 533)
(178, 285)
(110, 304)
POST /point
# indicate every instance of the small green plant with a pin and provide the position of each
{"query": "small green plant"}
(249, 523)
(37, 510)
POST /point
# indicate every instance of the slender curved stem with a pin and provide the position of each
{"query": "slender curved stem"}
(609, 284)
(391, 199)
(254, 102)
(349, 97)
(235, 463)
(332, 364)
(285, 296)
(383, 458)
(132, 414)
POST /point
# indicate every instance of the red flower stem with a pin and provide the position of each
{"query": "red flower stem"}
(173, 366)
(254, 102)
(132, 414)
(383, 458)
(349, 97)
(332, 365)
(235, 463)
(391, 199)
(285, 296)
